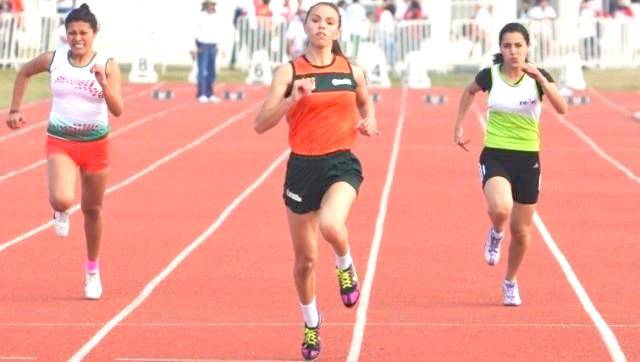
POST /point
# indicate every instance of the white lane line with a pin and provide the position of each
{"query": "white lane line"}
(26, 129)
(583, 136)
(17, 133)
(138, 175)
(150, 287)
(16, 358)
(610, 103)
(601, 325)
(142, 359)
(606, 333)
(361, 313)
(297, 323)
(137, 123)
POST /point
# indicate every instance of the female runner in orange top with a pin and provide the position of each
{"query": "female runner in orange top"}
(326, 102)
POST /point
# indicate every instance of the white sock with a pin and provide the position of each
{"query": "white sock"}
(345, 261)
(497, 234)
(310, 313)
(64, 215)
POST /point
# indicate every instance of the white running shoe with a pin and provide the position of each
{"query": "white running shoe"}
(61, 223)
(492, 247)
(214, 99)
(203, 99)
(511, 293)
(92, 286)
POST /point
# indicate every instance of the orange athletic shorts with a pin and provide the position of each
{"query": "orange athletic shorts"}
(90, 156)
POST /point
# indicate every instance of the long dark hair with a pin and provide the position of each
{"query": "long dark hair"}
(83, 13)
(335, 46)
(510, 28)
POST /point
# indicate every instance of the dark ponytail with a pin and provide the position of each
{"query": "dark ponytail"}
(83, 13)
(510, 28)
(336, 49)
(335, 46)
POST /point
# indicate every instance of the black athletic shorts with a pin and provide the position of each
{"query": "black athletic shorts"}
(520, 168)
(309, 177)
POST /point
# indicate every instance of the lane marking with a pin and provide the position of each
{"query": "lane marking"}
(137, 123)
(583, 136)
(335, 324)
(361, 313)
(24, 130)
(607, 335)
(610, 103)
(151, 286)
(199, 360)
(138, 175)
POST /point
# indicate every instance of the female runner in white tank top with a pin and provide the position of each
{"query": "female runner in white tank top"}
(85, 87)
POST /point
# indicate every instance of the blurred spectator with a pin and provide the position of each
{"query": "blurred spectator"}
(357, 17)
(4, 6)
(209, 30)
(587, 29)
(623, 10)
(543, 11)
(296, 36)
(245, 8)
(523, 11)
(288, 11)
(481, 27)
(281, 11)
(345, 28)
(379, 9)
(543, 16)
(65, 6)
(401, 8)
(17, 9)
(386, 26)
(16, 6)
(263, 9)
(414, 11)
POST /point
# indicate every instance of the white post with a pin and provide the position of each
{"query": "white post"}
(568, 8)
(504, 11)
(439, 12)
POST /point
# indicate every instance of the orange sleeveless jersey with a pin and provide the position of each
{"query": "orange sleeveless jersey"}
(324, 121)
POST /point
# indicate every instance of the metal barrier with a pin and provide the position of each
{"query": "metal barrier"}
(600, 42)
(24, 36)
(260, 33)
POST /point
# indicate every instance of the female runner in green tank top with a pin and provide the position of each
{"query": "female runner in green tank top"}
(509, 163)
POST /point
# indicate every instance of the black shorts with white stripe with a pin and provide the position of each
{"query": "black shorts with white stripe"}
(520, 168)
(309, 177)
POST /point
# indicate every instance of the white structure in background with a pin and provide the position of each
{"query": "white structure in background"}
(164, 34)
(373, 61)
(142, 71)
(260, 69)
(571, 76)
(417, 71)
(164, 29)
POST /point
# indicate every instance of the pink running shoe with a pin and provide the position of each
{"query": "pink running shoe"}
(349, 289)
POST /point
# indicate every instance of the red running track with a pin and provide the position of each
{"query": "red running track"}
(232, 297)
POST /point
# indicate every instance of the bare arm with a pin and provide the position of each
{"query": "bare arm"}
(549, 88)
(465, 103)
(276, 106)
(368, 126)
(109, 80)
(37, 65)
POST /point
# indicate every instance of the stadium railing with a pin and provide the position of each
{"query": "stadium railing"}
(600, 42)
